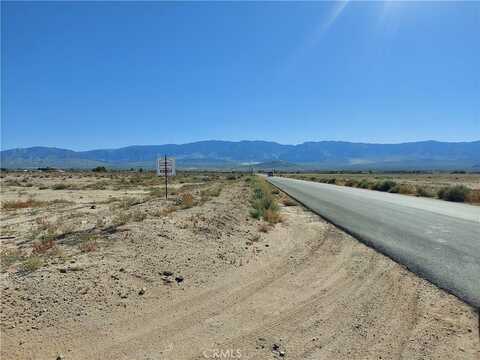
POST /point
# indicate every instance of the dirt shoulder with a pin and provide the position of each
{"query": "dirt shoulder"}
(203, 281)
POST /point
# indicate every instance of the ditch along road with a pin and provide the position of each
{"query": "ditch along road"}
(437, 240)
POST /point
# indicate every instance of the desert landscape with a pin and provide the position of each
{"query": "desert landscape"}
(101, 265)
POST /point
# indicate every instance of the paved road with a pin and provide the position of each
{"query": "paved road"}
(438, 240)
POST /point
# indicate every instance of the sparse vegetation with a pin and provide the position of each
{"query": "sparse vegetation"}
(120, 218)
(384, 185)
(138, 216)
(263, 202)
(424, 192)
(186, 200)
(32, 263)
(88, 243)
(457, 193)
(407, 183)
(44, 244)
(405, 189)
(22, 204)
(10, 257)
(60, 186)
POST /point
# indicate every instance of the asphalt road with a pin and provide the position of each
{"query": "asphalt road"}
(438, 240)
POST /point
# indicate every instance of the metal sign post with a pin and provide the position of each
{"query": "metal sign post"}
(166, 179)
(166, 167)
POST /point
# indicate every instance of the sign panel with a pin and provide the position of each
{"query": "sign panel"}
(166, 165)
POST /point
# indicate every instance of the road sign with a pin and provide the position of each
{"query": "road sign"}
(166, 166)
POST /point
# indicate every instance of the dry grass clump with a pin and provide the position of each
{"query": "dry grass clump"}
(88, 244)
(120, 218)
(211, 192)
(43, 245)
(473, 196)
(405, 189)
(272, 217)
(32, 263)
(264, 228)
(186, 200)
(22, 204)
(138, 216)
(99, 185)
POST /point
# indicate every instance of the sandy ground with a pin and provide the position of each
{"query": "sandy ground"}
(204, 282)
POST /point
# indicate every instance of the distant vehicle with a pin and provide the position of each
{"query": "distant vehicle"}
(270, 173)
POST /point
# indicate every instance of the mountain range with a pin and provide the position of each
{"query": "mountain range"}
(214, 154)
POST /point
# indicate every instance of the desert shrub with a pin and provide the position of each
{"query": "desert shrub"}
(99, 169)
(384, 185)
(138, 216)
(12, 183)
(255, 213)
(44, 244)
(88, 243)
(32, 263)
(406, 189)
(473, 196)
(186, 200)
(59, 186)
(263, 202)
(424, 192)
(209, 193)
(351, 183)
(364, 184)
(272, 216)
(457, 193)
(120, 218)
(231, 177)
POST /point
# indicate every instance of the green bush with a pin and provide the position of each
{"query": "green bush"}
(424, 192)
(364, 184)
(263, 202)
(457, 193)
(384, 185)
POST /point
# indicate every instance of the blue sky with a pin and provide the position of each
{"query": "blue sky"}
(99, 75)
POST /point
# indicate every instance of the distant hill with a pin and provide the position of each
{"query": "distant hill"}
(261, 154)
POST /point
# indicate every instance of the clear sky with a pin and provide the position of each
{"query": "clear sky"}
(84, 75)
